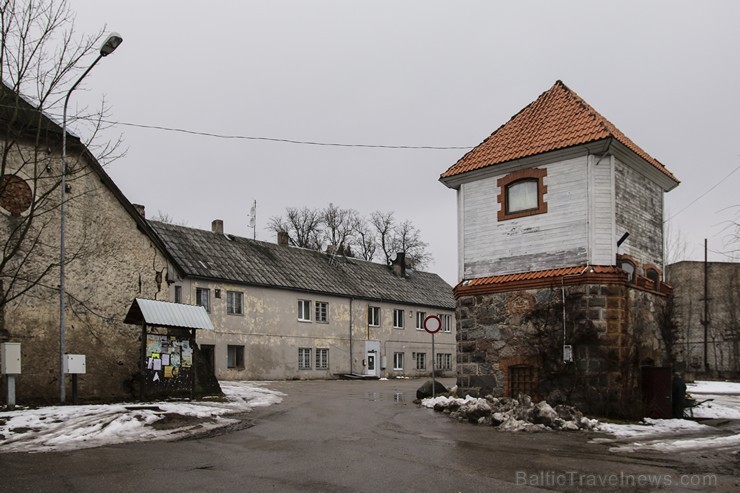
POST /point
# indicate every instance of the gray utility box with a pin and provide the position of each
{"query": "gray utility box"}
(74, 364)
(10, 358)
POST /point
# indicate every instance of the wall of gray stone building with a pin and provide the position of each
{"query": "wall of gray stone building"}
(110, 262)
(613, 330)
(723, 330)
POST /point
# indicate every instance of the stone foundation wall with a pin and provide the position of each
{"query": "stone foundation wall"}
(613, 331)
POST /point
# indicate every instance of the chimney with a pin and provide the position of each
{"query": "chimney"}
(282, 238)
(140, 209)
(217, 226)
(399, 264)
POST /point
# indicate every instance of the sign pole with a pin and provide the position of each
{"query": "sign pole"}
(434, 378)
(432, 324)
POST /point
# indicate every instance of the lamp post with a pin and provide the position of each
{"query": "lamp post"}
(109, 46)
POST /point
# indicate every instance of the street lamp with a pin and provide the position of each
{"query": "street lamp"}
(109, 46)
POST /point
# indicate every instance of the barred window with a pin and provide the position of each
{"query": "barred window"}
(322, 311)
(322, 359)
(304, 358)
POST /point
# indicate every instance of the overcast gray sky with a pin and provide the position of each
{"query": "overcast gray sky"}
(415, 72)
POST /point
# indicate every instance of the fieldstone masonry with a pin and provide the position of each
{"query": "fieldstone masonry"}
(511, 342)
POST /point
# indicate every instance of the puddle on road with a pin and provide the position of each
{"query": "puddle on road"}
(379, 396)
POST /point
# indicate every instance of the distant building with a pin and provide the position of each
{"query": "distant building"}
(717, 354)
(560, 247)
(290, 313)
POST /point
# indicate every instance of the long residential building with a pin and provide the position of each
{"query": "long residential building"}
(282, 312)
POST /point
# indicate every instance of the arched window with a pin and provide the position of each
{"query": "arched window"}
(522, 196)
(522, 193)
(654, 277)
(629, 268)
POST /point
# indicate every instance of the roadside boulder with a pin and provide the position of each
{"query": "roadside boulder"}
(425, 390)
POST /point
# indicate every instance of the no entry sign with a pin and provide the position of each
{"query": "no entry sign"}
(432, 324)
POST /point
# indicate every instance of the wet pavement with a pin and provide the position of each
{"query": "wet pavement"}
(346, 436)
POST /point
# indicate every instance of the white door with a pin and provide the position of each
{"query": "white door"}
(372, 358)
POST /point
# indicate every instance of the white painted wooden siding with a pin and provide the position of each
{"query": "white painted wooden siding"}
(639, 210)
(556, 239)
(601, 188)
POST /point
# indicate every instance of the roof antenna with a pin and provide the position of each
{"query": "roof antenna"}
(253, 220)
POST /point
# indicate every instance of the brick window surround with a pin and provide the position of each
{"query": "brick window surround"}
(522, 174)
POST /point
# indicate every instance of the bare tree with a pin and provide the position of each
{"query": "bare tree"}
(338, 227)
(364, 239)
(40, 57)
(675, 247)
(303, 227)
(383, 223)
(407, 238)
(344, 231)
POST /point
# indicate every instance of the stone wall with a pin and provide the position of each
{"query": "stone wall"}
(613, 330)
(110, 261)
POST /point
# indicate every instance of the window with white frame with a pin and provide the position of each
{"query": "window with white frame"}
(304, 358)
(235, 357)
(444, 361)
(322, 311)
(322, 359)
(304, 310)
(203, 298)
(421, 361)
(446, 322)
(420, 316)
(397, 319)
(398, 361)
(373, 316)
(234, 303)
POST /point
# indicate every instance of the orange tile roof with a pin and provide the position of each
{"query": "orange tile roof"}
(542, 274)
(557, 119)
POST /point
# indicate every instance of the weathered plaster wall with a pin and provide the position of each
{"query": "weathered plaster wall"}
(110, 262)
(270, 332)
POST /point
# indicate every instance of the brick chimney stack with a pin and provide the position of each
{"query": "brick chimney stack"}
(217, 226)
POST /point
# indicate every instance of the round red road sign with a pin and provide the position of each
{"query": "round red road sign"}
(432, 324)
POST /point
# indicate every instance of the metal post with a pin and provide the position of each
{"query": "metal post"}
(10, 381)
(705, 322)
(434, 393)
(63, 187)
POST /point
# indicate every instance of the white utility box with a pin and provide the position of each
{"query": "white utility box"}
(10, 358)
(74, 364)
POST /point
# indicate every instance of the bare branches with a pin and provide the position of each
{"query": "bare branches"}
(40, 55)
(345, 231)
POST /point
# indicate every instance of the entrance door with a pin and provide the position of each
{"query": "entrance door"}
(372, 358)
(656, 392)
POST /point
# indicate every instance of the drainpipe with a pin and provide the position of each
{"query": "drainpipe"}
(350, 336)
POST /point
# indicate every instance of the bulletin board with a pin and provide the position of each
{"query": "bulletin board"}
(168, 364)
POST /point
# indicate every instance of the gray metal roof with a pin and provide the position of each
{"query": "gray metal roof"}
(209, 255)
(164, 314)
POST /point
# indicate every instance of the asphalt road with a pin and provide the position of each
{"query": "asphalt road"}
(364, 436)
